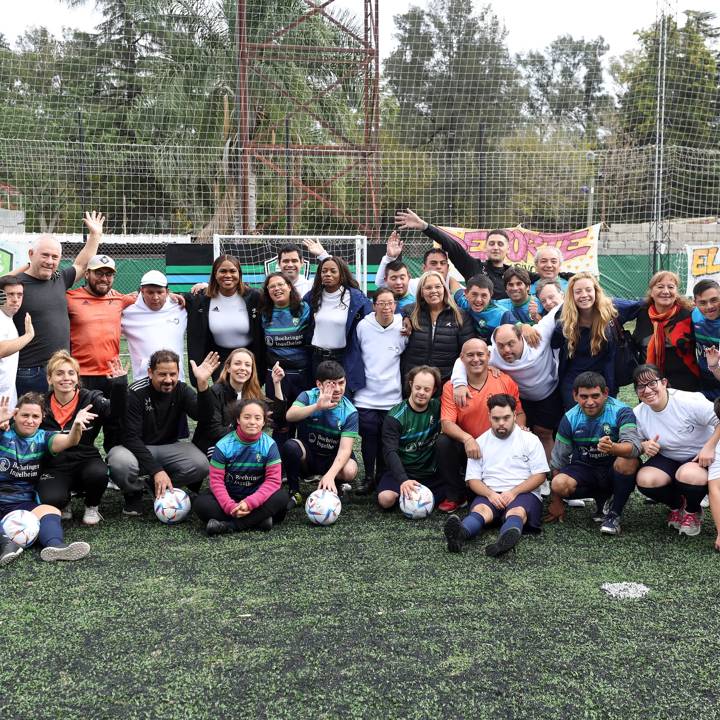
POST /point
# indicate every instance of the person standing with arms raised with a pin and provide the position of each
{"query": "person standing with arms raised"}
(44, 298)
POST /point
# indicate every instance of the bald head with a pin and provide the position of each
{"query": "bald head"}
(509, 342)
(474, 356)
(44, 256)
(548, 259)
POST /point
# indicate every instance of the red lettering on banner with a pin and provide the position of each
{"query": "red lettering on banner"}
(574, 245)
(517, 252)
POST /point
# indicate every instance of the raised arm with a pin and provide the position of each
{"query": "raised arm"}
(94, 222)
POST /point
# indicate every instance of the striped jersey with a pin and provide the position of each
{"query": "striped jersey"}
(321, 432)
(286, 337)
(484, 322)
(707, 334)
(244, 462)
(20, 459)
(580, 434)
(415, 434)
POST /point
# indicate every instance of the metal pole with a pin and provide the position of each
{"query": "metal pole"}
(591, 200)
(83, 185)
(243, 179)
(288, 184)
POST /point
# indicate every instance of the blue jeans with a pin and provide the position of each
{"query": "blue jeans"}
(31, 379)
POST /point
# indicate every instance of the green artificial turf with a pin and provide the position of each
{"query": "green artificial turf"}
(370, 618)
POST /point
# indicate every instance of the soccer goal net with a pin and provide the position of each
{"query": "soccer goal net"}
(258, 253)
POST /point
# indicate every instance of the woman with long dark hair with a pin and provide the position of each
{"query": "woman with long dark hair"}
(338, 305)
(225, 316)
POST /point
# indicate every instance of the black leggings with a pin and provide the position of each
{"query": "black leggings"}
(207, 507)
(88, 478)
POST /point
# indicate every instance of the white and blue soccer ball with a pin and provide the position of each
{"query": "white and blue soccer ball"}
(21, 526)
(172, 507)
(323, 507)
(419, 505)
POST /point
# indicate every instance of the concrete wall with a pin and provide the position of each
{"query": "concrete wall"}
(634, 239)
(12, 221)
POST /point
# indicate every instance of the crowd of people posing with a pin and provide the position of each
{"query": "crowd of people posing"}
(492, 392)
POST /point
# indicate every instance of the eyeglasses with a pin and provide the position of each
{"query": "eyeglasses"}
(651, 385)
(104, 273)
(384, 303)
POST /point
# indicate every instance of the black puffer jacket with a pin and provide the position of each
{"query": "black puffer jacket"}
(439, 351)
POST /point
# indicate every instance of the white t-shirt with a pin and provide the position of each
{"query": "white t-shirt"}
(331, 319)
(381, 349)
(303, 285)
(682, 427)
(505, 464)
(229, 321)
(8, 364)
(535, 371)
(149, 330)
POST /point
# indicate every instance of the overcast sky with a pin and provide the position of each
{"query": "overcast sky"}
(531, 24)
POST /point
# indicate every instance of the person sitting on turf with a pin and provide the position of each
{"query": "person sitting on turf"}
(679, 432)
(462, 424)
(434, 259)
(216, 403)
(409, 432)
(476, 299)
(22, 447)
(80, 469)
(245, 477)
(594, 454)
(327, 425)
(517, 288)
(156, 418)
(505, 478)
(373, 368)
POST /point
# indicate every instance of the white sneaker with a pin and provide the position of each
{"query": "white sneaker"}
(66, 512)
(112, 486)
(92, 515)
(545, 489)
(575, 503)
(705, 502)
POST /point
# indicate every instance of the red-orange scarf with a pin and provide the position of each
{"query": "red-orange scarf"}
(678, 330)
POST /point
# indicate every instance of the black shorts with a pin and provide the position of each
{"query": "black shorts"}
(546, 413)
(592, 482)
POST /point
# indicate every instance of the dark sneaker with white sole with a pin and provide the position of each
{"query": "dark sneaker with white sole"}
(611, 524)
(68, 553)
(9, 551)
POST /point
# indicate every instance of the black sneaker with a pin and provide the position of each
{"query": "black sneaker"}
(365, 486)
(9, 551)
(265, 526)
(455, 534)
(296, 500)
(73, 551)
(507, 541)
(599, 513)
(611, 524)
(218, 527)
(133, 506)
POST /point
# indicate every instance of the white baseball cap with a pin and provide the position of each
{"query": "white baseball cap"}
(154, 277)
(101, 261)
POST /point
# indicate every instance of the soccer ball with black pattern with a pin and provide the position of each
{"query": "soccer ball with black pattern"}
(419, 505)
(323, 507)
(172, 507)
(21, 526)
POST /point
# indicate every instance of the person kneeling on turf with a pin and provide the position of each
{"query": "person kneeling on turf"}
(506, 480)
(327, 425)
(22, 447)
(595, 453)
(245, 477)
(409, 431)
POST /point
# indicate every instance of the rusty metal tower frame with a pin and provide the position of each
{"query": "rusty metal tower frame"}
(362, 55)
